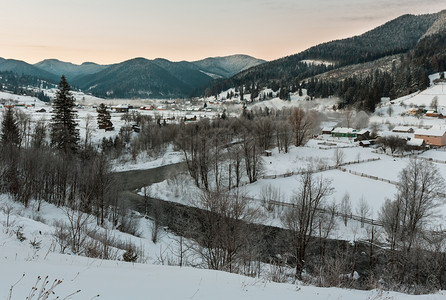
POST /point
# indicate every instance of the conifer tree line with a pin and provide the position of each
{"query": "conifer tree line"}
(13, 82)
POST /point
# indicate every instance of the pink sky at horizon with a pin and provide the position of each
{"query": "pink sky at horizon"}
(112, 31)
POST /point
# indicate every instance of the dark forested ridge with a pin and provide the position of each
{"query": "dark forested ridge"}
(17, 84)
(407, 74)
(136, 78)
(22, 68)
(142, 78)
(69, 70)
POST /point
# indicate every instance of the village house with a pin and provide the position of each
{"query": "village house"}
(327, 130)
(365, 143)
(362, 135)
(435, 136)
(403, 129)
(416, 144)
(431, 113)
(120, 108)
(344, 132)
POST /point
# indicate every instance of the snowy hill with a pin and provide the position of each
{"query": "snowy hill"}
(23, 262)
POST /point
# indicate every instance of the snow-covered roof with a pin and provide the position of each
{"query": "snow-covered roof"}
(327, 129)
(415, 142)
(344, 130)
(434, 131)
(365, 142)
(401, 135)
(363, 131)
(402, 129)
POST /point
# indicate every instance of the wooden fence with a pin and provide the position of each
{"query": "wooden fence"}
(320, 169)
(369, 176)
(350, 216)
(433, 160)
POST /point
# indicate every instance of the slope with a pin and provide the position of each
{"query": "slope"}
(227, 66)
(394, 37)
(23, 68)
(71, 71)
(137, 77)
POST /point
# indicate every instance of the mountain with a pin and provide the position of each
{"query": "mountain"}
(227, 66)
(22, 68)
(139, 77)
(438, 26)
(161, 78)
(185, 71)
(71, 71)
(143, 78)
(396, 37)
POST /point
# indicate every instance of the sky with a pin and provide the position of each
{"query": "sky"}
(111, 31)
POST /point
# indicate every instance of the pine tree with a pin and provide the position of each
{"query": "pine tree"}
(103, 117)
(10, 129)
(64, 131)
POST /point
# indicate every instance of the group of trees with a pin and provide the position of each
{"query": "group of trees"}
(219, 153)
(417, 246)
(54, 166)
(413, 259)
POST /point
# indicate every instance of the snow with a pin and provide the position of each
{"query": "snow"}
(404, 129)
(22, 264)
(415, 142)
(374, 192)
(343, 130)
(145, 162)
(317, 62)
(434, 131)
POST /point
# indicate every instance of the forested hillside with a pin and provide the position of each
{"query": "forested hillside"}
(413, 55)
(408, 74)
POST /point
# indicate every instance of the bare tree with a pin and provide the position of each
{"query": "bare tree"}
(77, 228)
(264, 129)
(390, 110)
(269, 194)
(301, 124)
(405, 219)
(226, 234)
(251, 151)
(89, 128)
(338, 157)
(23, 120)
(363, 210)
(345, 207)
(361, 120)
(301, 218)
(348, 116)
(434, 103)
(420, 188)
(283, 135)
